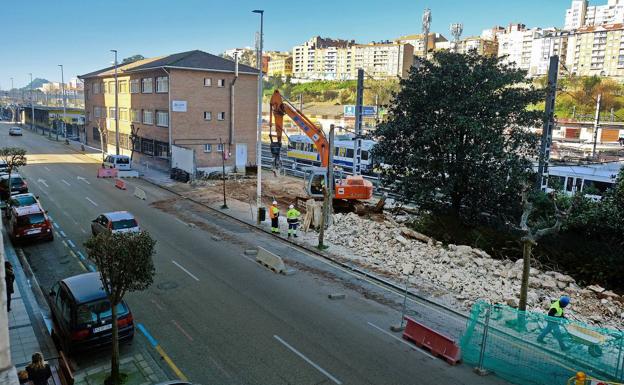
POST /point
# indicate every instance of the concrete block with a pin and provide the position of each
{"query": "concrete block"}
(270, 260)
(337, 296)
(289, 272)
(251, 252)
(128, 174)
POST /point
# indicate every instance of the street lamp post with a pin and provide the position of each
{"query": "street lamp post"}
(259, 133)
(64, 105)
(12, 92)
(116, 107)
(32, 106)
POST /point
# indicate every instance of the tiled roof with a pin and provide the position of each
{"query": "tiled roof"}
(197, 60)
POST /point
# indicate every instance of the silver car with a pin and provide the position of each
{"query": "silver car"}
(115, 222)
(15, 131)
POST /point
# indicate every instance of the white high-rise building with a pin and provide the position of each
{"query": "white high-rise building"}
(580, 14)
(516, 44)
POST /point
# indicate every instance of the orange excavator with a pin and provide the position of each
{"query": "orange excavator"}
(353, 187)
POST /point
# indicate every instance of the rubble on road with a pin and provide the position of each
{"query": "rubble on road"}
(468, 274)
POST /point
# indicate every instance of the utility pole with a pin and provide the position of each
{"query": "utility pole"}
(64, 105)
(549, 123)
(357, 147)
(224, 205)
(328, 192)
(259, 130)
(32, 105)
(116, 107)
(596, 125)
(301, 102)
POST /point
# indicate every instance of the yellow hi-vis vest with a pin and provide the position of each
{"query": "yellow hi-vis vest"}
(559, 310)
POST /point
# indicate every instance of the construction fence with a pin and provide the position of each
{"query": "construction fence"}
(504, 340)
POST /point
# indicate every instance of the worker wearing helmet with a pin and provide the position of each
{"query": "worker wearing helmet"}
(555, 311)
(274, 215)
(292, 217)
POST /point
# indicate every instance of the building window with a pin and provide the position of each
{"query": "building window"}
(111, 112)
(221, 83)
(123, 87)
(97, 88)
(207, 82)
(123, 114)
(135, 87)
(147, 85)
(221, 116)
(135, 115)
(219, 147)
(96, 112)
(148, 117)
(111, 87)
(104, 87)
(162, 118)
(162, 84)
(207, 147)
(207, 115)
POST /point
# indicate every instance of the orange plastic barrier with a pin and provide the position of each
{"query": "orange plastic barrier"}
(439, 344)
(120, 184)
(107, 172)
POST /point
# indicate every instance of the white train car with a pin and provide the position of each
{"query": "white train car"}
(301, 149)
(591, 179)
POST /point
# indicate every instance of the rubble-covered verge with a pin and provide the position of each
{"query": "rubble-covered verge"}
(466, 273)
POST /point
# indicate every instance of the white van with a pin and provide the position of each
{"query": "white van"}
(120, 162)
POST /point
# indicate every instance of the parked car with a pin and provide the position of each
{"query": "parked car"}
(115, 222)
(15, 131)
(120, 162)
(17, 185)
(3, 166)
(28, 223)
(21, 200)
(82, 314)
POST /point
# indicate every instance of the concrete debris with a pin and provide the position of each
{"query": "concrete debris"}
(463, 272)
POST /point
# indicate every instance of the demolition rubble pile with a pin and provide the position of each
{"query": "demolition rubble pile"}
(464, 272)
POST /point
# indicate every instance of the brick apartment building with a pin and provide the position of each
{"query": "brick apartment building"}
(191, 102)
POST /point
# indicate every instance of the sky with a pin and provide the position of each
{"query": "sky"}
(41, 34)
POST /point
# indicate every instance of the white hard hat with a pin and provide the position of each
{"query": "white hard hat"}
(274, 202)
(291, 206)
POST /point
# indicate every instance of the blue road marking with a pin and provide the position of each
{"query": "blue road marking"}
(92, 268)
(50, 217)
(55, 225)
(80, 255)
(147, 335)
(63, 233)
(71, 243)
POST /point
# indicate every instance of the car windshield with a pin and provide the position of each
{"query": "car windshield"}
(98, 310)
(32, 219)
(124, 224)
(23, 201)
(16, 181)
(123, 160)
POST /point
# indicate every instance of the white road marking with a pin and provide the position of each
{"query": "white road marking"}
(83, 230)
(401, 341)
(80, 167)
(181, 221)
(186, 271)
(64, 181)
(83, 179)
(43, 182)
(309, 361)
(93, 203)
(46, 167)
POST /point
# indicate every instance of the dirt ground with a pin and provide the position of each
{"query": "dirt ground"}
(284, 189)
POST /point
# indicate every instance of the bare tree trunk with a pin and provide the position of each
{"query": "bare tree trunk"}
(526, 270)
(115, 378)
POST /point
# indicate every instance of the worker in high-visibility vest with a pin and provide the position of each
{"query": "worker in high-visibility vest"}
(274, 215)
(556, 312)
(292, 217)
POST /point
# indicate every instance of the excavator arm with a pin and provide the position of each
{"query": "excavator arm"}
(281, 107)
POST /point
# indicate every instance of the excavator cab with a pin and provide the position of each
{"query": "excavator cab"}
(315, 180)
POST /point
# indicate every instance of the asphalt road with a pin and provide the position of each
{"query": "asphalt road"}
(220, 316)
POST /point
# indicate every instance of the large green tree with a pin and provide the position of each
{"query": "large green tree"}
(124, 261)
(456, 137)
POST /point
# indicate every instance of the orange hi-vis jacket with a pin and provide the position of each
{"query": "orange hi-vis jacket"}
(273, 212)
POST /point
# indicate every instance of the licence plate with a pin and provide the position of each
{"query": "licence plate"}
(102, 328)
(33, 231)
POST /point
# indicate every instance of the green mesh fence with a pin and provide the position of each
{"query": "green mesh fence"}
(504, 340)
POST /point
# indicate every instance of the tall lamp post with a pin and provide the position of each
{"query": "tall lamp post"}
(259, 133)
(116, 107)
(32, 105)
(64, 105)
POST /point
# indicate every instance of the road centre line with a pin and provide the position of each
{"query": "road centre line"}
(306, 359)
(93, 203)
(177, 325)
(64, 181)
(46, 167)
(157, 305)
(186, 271)
(401, 341)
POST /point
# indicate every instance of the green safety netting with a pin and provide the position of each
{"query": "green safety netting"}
(504, 340)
